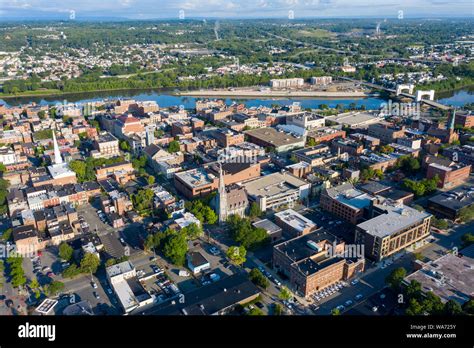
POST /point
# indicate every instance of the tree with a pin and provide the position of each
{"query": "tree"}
(209, 215)
(467, 239)
(394, 280)
(54, 288)
(90, 263)
(35, 286)
(143, 200)
(335, 311)
(277, 309)
(442, 224)
(124, 146)
(237, 254)
(17, 274)
(468, 307)
(258, 278)
(174, 147)
(65, 251)
(311, 142)
(175, 249)
(285, 294)
(244, 233)
(386, 149)
(80, 168)
(452, 308)
(408, 164)
(467, 214)
(7, 234)
(255, 311)
(71, 271)
(254, 210)
(413, 290)
(192, 231)
(150, 179)
(414, 308)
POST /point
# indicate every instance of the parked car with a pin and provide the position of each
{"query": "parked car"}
(259, 305)
(348, 303)
(340, 308)
(94, 285)
(109, 290)
(359, 297)
(375, 309)
(96, 295)
(355, 281)
(214, 251)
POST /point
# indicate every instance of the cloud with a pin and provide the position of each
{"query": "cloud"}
(234, 8)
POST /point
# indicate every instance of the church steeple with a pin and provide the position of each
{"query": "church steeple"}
(222, 197)
(57, 154)
(452, 120)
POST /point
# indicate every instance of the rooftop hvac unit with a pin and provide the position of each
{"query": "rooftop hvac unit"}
(313, 245)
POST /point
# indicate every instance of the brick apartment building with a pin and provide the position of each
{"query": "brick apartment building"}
(314, 261)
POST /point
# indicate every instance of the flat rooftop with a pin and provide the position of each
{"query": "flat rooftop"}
(119, 268)
(273, 184)
(268, 226)
(450, 277)
(355, 118)
(295, 220)
(396, 218)
(348, 195)
(298, 248)
(106, 137)
(455, 199)
(274, 137)
(196, 177)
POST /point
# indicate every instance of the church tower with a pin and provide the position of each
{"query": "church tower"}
(222, 197)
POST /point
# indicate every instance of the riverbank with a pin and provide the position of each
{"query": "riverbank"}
(271, 94)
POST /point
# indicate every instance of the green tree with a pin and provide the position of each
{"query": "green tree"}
(277, 309)
(237, 254)
(258, 278)
(467, 239)
(90, 263)
(65, 251)
(254, 210)
(335, 311)
(285, 294)
(175, 249)
(394, 279)
(467, 214)
(414, 308)
(150, 179)
(468, 307)
(54, 288)
(192, 231)
(255, 311)
(173, 146)
(452, 308)
(124, 146)
(7, 234)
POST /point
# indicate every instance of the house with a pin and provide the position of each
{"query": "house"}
(197, 262)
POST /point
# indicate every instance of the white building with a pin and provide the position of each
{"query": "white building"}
(123, 279)
(287, 83)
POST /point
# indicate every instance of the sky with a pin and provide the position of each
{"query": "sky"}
(179, 9)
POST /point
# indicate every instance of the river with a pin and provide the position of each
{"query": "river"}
(165, 98)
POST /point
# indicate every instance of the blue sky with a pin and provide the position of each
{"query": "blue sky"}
(151, 9)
